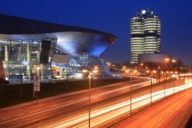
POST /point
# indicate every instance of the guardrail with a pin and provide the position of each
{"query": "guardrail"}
(140, 103)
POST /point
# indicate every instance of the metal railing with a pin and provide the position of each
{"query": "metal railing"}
(135, 105)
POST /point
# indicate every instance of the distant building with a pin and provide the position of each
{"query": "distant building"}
(145, 34)
(153, 58)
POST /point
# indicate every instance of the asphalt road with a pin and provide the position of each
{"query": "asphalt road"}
(29, 113)
(102, 113)
(172, 112)
(69, 110)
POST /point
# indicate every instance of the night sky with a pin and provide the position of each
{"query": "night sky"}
(113, 16)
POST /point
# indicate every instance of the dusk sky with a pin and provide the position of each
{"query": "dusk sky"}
(113, 16)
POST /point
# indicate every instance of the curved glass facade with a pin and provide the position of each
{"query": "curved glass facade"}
(30, 47)
(21, 57)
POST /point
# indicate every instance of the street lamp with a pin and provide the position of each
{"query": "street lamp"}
(127, 71)
(36, 82)
(173, 61)
(154, 72)
(152, 82)
(130, 101)
(161, 73)
(136, 73)
(67, 76)
(90, 76)
(167, 59)
(147, 71)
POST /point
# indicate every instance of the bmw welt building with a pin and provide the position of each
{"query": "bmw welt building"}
(26, 44)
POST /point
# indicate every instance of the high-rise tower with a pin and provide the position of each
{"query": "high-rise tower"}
(145, 34)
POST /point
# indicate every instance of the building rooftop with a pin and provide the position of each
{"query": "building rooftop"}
(70, 39)
(18, 25)
(146, 13)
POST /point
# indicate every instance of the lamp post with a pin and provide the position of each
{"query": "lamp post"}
(166, 60)
(90, 76)
(165, 78)
(174, 82)
(36, 82)
(161, 74)
(174, 61)
(151, 89)
(152, 82)
(136, 73)
(130, 96)
(67, 76)
(21, 78)
(130, 101)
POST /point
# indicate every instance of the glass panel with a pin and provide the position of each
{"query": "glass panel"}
(21, 56)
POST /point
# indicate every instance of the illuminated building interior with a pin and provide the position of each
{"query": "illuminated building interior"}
(30, 43)
(20, 57)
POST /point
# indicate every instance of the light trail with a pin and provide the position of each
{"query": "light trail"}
(137, 85)
(118, 109)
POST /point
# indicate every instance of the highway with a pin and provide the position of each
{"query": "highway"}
(172, 112)
(70, 110)
(29, 113)
(109, 112)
